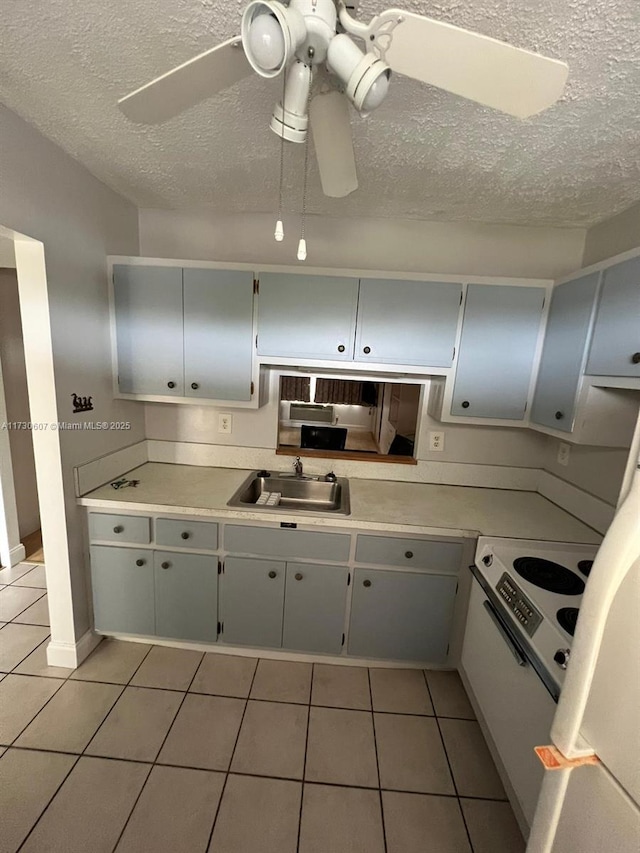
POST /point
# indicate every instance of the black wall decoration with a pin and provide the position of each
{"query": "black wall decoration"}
(82, 404)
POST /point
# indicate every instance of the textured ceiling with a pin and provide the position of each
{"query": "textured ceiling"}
(424, 154)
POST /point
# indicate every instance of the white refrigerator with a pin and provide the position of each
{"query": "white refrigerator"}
(590, 802)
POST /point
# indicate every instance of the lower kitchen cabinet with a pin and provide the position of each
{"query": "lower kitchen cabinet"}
(186, 596)
(401, 615)
(122, 584)
(251, 602)
(314, 607)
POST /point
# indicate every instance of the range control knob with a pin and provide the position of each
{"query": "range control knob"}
(561, 657)
(487, 559)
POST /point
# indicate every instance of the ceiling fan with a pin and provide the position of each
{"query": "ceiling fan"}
(300, 38)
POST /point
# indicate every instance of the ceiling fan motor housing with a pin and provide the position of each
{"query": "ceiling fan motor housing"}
(320, 18)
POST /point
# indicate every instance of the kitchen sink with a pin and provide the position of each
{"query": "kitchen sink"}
(291, 492)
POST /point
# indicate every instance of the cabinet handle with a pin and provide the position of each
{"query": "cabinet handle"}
(185, 535)
(195, 386)
(367, 350)
(341, 348)
(298, 576)
(408, 554)
(635, 358)
(165, 565)
(273, 574)
(559, 416)
(140, 562)
(118, 528)
(171, 384)
(366, 583)
(465, 404)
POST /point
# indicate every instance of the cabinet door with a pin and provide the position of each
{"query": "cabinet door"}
(314, 605)
(251, 602)
(497, 349)
(307, 316)
(186, 596)
(401, 615)
(407, 322)
(218, 334)
(616, 336)
(122, 585)
(563, 354)
(148, 315)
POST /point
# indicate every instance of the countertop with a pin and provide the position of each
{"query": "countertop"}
(456, 511)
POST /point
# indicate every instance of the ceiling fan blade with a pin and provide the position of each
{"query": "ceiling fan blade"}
(188, 84)
(474, 66)
(331, 127)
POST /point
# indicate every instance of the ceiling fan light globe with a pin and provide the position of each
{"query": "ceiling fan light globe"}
(271, 34)
(377, 92)
(266, 41)
(365, 77)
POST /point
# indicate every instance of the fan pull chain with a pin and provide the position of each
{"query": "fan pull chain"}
(279, 232)
(302, 245)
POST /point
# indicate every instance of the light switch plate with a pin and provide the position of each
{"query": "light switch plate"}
(225, 423)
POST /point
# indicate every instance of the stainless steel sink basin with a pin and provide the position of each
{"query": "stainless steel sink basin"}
(297, 493)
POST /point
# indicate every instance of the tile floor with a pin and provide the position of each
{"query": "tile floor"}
(148, 748)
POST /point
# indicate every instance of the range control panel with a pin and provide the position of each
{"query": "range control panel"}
(519, 604)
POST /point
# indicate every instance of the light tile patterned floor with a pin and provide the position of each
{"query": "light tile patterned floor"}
(149, 748)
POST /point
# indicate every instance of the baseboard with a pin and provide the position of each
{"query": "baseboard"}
(17, 555)
(71, 655)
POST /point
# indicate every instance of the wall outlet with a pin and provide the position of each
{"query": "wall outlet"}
(436, 442)
(225, 423)
(564, 453)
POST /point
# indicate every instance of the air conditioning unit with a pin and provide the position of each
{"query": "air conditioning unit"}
(311, 414)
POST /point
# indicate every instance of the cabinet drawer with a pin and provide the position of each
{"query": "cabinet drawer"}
(176, 533)
(393, 551)
(119, 528)
(287, 543)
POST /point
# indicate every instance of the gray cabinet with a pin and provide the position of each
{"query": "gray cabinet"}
(407, 322)
(186, 596)
(184, 333)
(307, 316)
(314, 608)
(497, 350)
(287, 542)
(109, 527)
(401, 615)
(122, 586)
(561, 365)
(615, 346)
(186, 533)
(148, 317)
(251, 602)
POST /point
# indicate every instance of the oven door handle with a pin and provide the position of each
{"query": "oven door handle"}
(513, 648)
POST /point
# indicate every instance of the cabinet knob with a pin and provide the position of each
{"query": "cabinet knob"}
(140, 562)
(195, 386)
(118, 528)
(185, 535)
(559, 416)
(341, 348)
(165, 565)
(298, 576)
(273, 574)
(635, 358)
(465, 404)
(171, 384)
(408, 554)
(367, 350)
(366, 583)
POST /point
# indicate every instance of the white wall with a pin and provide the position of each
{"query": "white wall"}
(50, 197)
(613, 236)
(597, 470)
(377, 244)
(7, 255)
(14, 377)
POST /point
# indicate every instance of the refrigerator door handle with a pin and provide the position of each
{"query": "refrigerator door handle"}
(513, 648)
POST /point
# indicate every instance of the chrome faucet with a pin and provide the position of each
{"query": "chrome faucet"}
(297, 467)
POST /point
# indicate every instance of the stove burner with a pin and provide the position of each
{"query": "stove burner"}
(547, 575)
(585, 567)
(567, 618)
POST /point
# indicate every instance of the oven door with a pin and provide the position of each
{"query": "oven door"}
(514, 704)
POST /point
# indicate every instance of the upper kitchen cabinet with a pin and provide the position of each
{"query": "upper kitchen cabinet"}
(307, 316)
(500, 334)
(186, 334)
(407, 322)
(562, 362)
(615, 345)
